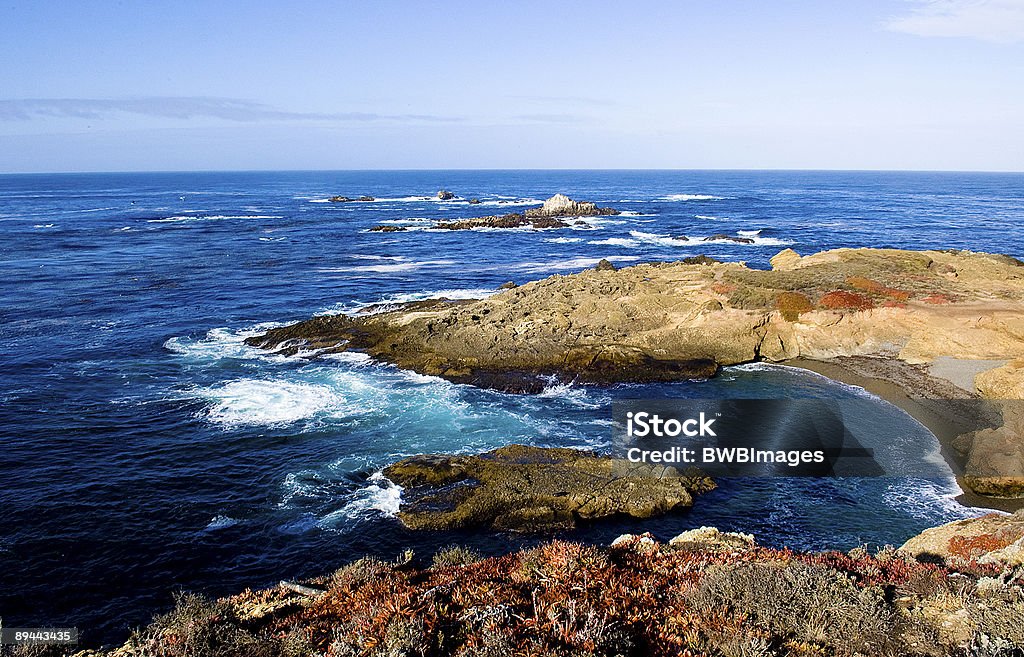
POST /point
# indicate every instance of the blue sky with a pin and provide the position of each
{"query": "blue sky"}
(875, 84)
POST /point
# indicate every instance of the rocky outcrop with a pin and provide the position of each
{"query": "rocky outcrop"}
(511, 220)
(345, 199)
(996, 539)
(533, 489)
(722, 237)
(445, 195)
(387, 228)
(561, 205)
(713, 539)
(663, 321)
(552, 214)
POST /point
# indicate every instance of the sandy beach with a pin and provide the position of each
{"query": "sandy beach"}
(939, 403)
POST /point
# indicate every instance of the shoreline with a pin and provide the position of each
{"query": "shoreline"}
(920, 394)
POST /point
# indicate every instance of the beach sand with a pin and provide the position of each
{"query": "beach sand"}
(935, 396)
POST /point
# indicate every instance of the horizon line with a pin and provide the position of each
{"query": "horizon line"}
(497, 169)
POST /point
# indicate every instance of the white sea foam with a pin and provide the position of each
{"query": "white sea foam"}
(925, 498)
(387, 269)
(590, 223)
(391, 301)
(220, 522)
(696, 240)
(857, 391)
(221, 343)
(379, 496)
(616, 241)
(564, 240)
(749, 233)
(268, 402)
(210, 217)
(569, 393)
(500, 202)
(691, 197)
(43, 226)
(572, 263)
(708, 217)
(658, 239)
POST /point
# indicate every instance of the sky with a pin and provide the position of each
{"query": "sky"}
(390, 84)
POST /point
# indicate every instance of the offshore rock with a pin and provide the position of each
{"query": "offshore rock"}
(534, 489)
(561, 205)
(551, 215)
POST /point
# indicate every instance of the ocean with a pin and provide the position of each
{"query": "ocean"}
(147, 450)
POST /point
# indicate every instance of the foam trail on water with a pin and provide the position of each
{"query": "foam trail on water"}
(691, 197)
(271, 402)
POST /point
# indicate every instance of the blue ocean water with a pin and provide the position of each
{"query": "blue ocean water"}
(147, 450)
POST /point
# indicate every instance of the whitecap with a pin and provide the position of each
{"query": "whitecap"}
(268, 402)
(387, 269)
(616, 241)
(691, 197)
(660, 240)
(499, 202)
(696, 240)
(220, 522)
(221, 343)
(569, 393)
(749, 233)
(210, 217)
(564, 240)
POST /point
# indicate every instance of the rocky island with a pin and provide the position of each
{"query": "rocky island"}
(554, 213)
(955, 317)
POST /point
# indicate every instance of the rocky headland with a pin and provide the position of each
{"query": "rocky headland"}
(955, 316)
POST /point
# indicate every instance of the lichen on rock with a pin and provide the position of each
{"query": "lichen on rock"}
(534, 489)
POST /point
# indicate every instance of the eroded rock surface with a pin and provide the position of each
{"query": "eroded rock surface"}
(534, 489)
(662, 321)
(995, 539)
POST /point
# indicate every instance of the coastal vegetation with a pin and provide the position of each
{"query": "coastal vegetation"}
(703, 593)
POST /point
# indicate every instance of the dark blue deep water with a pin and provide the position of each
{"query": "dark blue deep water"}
(145, 450)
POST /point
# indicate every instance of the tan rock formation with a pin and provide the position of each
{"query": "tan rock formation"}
(662, 321)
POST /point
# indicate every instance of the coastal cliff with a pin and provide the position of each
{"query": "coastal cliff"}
(664, 321)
